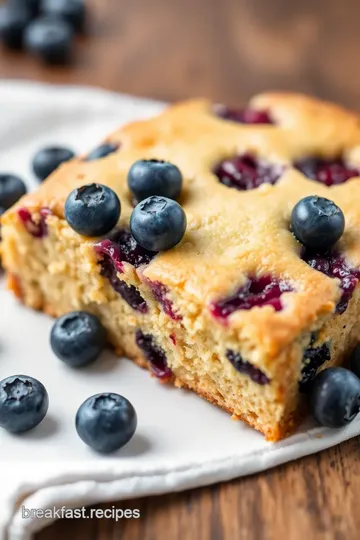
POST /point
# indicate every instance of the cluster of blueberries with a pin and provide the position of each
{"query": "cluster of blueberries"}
(157, 223)
(45, 161)
(45, 28)
(334, 396)
(107, 421)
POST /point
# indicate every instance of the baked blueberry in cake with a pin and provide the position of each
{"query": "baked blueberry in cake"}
(219, 248)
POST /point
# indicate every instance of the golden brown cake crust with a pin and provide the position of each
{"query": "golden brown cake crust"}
(194, 139)
(230, 235)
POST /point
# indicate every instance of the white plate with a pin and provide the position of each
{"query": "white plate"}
(181, 440)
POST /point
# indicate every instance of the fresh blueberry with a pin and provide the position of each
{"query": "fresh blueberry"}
(92, 210)
(78, 338)
(71, 11)
(317, 222)
(24, 402)
(335, 397)
(102, 151)
(50, 39)
(158, 223)
(153, 177)
(106, 422)
(48, 159)
(13, 21)
(12, 188)
(355, 361)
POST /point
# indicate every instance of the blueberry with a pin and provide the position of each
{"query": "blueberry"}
(13, 21)
(317, 222)
(12, 188)
(153, 177)
(106, 422)
(78, 338)
(71, 11)
(48, 159)
(50, 39)
(355, 361)
(158, 223)
(24, 402)
(313, 358)
(102, 151)
(92, 210)
(335, 397)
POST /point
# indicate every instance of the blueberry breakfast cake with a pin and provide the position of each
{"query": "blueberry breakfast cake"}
(219, 247)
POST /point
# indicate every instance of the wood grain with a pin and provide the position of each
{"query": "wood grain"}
(223, 49)
(226, 50)
(316, 498)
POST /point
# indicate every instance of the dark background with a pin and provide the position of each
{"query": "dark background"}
(226, 50)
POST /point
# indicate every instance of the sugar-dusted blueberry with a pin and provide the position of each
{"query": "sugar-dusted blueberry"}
(50, 39)
(24, 402)
(355, 361)
(334, 398)
(12, 188)
(71, 11)
(48, 159)
(102, 151)
(158, 223)
(92, 210)
(317, 223)
(154, 177)
(106, 422)
(14, 18)
(78, 338)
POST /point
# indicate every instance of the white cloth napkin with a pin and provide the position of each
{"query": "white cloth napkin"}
(182, 441)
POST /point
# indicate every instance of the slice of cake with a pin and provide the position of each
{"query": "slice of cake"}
(239, 311)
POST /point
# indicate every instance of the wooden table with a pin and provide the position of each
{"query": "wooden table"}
(226, 50)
